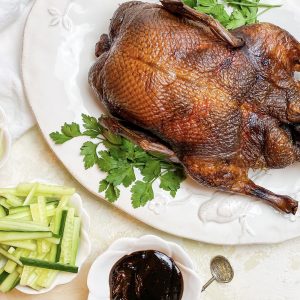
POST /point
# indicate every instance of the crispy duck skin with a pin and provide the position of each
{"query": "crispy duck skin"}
(219, 102)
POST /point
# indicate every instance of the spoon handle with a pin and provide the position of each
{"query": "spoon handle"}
(210, 281)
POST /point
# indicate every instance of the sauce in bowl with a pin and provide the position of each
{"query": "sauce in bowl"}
(146, 275)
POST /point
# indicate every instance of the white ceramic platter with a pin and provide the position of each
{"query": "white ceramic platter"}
(59, 42)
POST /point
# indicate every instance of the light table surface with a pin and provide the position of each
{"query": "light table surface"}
(262, 272)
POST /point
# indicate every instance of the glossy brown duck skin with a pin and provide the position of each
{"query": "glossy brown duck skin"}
(223, 102)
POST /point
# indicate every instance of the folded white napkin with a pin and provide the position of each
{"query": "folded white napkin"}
(13, 15)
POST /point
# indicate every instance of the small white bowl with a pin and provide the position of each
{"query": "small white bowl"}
(98, 278)
(83, 251)
(6, 138)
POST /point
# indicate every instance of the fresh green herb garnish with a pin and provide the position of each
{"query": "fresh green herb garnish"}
(244, 11)
(120, 161)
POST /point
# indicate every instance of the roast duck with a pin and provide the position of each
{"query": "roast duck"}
(219, 102)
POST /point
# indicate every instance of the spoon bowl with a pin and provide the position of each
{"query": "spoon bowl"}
(221, 269)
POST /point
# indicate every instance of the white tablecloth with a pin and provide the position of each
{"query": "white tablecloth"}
(13, 15)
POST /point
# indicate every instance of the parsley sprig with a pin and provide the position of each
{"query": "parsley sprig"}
(243, 11)
(120, 161)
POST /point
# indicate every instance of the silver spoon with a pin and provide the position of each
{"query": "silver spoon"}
(221, 271)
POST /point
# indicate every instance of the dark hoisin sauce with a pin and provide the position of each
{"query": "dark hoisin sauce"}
(146, 275)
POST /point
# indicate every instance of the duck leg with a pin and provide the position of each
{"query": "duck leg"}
(228, 177)
(146, 143)
(179, 8)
